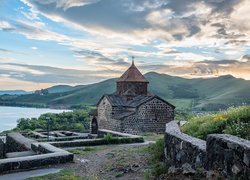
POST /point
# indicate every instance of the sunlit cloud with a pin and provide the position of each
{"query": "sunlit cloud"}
(182, 38)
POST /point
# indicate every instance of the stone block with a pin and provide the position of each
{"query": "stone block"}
(229, 153)
(2, 151)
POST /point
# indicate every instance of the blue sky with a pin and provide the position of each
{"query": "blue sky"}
(49, 42)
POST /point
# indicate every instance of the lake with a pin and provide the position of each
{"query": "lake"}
(9, 115)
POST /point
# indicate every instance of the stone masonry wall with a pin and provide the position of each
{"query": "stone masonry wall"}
(16, 142)
(1, 149)
(225, 153)
(230, 153)
(181, 148)
(105, 120)
(151, 116)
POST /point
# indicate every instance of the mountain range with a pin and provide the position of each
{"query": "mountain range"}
(186, 94)
(13, 92)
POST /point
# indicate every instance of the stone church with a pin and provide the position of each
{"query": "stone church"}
(131, 109)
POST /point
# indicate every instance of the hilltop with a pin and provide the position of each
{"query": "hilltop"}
(196, 94)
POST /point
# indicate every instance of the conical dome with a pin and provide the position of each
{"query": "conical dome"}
(132, 75)
(132, 83)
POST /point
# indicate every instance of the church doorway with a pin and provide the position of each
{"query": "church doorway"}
(94, 126)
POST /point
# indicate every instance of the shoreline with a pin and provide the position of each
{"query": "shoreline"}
(10, 115)
(37, 107)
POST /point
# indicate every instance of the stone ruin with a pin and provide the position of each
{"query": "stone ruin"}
(20, 153)
(223, 153)
(25, 151)
(56, 135)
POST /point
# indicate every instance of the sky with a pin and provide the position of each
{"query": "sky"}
(50, 42)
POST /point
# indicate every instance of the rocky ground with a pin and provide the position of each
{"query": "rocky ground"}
(110, 162)
(124, 162)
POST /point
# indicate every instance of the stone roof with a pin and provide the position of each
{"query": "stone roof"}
(93, 112)
(118, 100)
(132, 75)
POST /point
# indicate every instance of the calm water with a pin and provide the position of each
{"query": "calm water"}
(9, 115)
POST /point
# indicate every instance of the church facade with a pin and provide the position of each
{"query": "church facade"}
(131, 109)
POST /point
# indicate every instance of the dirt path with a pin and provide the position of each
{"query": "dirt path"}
(110, 162)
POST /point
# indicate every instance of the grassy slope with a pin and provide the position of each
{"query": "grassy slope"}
(183, 93)
(234, 121)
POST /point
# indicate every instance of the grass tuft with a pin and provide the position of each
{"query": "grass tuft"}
(234, 121)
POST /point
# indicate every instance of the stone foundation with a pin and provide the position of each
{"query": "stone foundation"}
(221, 152)
(29, 154)
(16, 142)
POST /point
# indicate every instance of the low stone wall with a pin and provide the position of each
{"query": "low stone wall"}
(102, 132)
(2, 151)
(96, 142)
(229, 153)
(44, 154)
(118, 138)
(16, 142)
(32, 162)
(221, 152)
(181, 148)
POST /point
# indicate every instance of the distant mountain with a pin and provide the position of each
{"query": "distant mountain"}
(59, 88)
(13, 92)
(196, 94)
(63, 88)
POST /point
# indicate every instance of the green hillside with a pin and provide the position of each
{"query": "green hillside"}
(196, 94)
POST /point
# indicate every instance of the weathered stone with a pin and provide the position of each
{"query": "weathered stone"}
(181, 148)
(187, 169)
(38, 154)
(2, 153)
(173, 170)
(246, 159)
(236, 169)
(223, 153)
(16, 142)
(211, 175)
(229, 154)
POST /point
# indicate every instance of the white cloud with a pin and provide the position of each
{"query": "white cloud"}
(34, 48)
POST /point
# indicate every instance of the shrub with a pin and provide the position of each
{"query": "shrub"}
(157, 151)
(235, 121)
(77, 120)
(108, 137)
(156, 161)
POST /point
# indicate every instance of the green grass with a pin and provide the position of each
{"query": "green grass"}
(152, 136)
(62, 175)
(182, 104)
(87, 150)
(234, 121)
(157, 165)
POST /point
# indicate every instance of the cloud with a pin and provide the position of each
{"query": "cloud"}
(53, 75)
(66, 4)
(34, 48)
(204, 69)
(47, 74)
(32, 30)
(170, 20)
(5, 50)
(186, 38)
